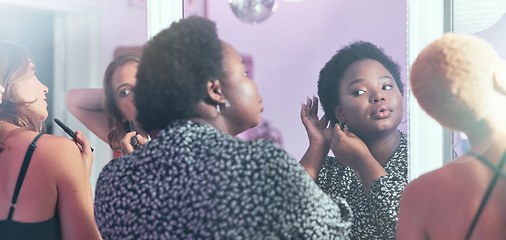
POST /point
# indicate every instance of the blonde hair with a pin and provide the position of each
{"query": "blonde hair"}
(452, 78)
(14, 67)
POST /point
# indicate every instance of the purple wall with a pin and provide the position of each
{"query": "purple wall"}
(291, 47)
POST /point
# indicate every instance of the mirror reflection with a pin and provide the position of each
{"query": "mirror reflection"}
(287, 51)
(285, 54)
(469, 18)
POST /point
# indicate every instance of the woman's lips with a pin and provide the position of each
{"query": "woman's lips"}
(381, 112)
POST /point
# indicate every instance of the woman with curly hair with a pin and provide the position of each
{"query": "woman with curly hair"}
(196, 180)
(361, 93)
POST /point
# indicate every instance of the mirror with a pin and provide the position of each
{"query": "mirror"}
(288, 49)
(485, 19)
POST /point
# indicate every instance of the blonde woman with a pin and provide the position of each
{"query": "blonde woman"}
(460, 81)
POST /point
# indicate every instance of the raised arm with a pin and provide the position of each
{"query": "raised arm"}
(351, 151)
(311, 212)
(318, 135)
(87, 106)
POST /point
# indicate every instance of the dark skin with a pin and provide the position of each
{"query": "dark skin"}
(371, 107)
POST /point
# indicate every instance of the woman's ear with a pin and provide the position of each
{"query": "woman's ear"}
(339, 113)
(214, 91)
(500, 79)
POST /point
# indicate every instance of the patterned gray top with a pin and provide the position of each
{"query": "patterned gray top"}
(195, 182)
(375, 216)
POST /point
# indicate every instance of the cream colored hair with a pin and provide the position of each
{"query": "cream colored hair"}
(453, 80)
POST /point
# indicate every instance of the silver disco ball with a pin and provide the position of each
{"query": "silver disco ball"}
(253, 11)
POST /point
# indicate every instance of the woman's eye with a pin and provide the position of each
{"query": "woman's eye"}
(358, 93)
(124, 92)
(387, 87)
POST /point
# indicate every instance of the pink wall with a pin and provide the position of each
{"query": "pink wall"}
(291, 47)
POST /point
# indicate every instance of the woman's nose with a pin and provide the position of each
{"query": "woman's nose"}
(377, 96)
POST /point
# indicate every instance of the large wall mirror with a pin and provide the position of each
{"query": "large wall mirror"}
(286, 51)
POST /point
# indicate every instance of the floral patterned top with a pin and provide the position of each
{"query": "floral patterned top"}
(376, 215)
(195, 182)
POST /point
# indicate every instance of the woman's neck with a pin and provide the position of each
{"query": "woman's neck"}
(487, 137)
(384, 146)
(207, 114)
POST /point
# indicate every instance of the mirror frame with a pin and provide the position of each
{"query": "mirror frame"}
(429, 143)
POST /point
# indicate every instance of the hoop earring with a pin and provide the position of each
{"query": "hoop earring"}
(226, 105)
(342, 125)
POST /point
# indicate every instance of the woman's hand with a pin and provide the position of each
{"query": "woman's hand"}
(319, 135)
(349, 149)
(86, 153)
(317, 129)
(126, 143)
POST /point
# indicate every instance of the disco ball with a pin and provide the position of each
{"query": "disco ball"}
(253, 11)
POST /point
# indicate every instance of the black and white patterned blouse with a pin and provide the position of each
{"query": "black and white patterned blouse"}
(376, 215)
(195, 182)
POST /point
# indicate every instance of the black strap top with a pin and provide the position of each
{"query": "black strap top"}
(9, 229)
(497, 172)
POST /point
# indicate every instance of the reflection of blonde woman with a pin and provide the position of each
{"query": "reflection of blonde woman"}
(460, 81)
(106, 112)
(45, 189)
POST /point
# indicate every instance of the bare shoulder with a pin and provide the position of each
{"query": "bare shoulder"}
(430, 190)
(56, 148)
(426, 182)
(420, 205)
(57, 144)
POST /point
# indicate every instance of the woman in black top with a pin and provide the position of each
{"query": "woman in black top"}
(460, 81)
(44, 180)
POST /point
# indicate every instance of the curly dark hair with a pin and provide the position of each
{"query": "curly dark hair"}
(331, 73)
(174, 70)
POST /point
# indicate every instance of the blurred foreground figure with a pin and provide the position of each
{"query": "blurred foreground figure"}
(460, 81)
